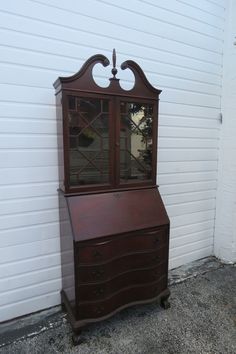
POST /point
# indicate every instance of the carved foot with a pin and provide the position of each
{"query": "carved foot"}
(63, 307)
(165, 304)
(164, 301)
(76, 338)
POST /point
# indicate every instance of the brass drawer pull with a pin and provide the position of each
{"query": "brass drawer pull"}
(99, 291)
(99, 310)
(98, 273)
(97, 254)
(156, 258)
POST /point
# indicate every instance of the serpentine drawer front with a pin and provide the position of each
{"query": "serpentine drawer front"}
(107, 270)
(111, 271)
(121, 245)
(96, 309)
(103, 289)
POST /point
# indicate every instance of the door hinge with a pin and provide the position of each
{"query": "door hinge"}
(221, 118)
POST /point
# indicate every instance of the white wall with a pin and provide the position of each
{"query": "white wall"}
(179, 45)
(225, 232)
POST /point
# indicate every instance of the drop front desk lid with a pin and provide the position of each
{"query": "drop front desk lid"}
(99, 215)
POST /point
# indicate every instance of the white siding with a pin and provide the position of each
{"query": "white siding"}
(179, 45)
(225, 227)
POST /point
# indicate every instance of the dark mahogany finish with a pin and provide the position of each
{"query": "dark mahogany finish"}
(114, 226)
(105, 214)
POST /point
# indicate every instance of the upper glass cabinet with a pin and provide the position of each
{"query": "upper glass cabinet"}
(109, 134)
(136, 137)
(89, 140)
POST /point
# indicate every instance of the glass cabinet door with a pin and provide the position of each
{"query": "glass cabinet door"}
(136, 142)
(89, 142)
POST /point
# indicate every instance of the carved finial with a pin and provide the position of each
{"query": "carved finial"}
(114, 70)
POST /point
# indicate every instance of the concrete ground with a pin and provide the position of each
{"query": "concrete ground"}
(202, 319)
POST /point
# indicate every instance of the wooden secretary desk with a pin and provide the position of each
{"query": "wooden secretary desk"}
(114, 226)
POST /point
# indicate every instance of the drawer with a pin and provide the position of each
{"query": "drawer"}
(132, 295)
(117, 246)
(108, 270)
(97, 291)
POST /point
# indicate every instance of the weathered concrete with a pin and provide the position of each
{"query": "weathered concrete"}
(202, 319)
